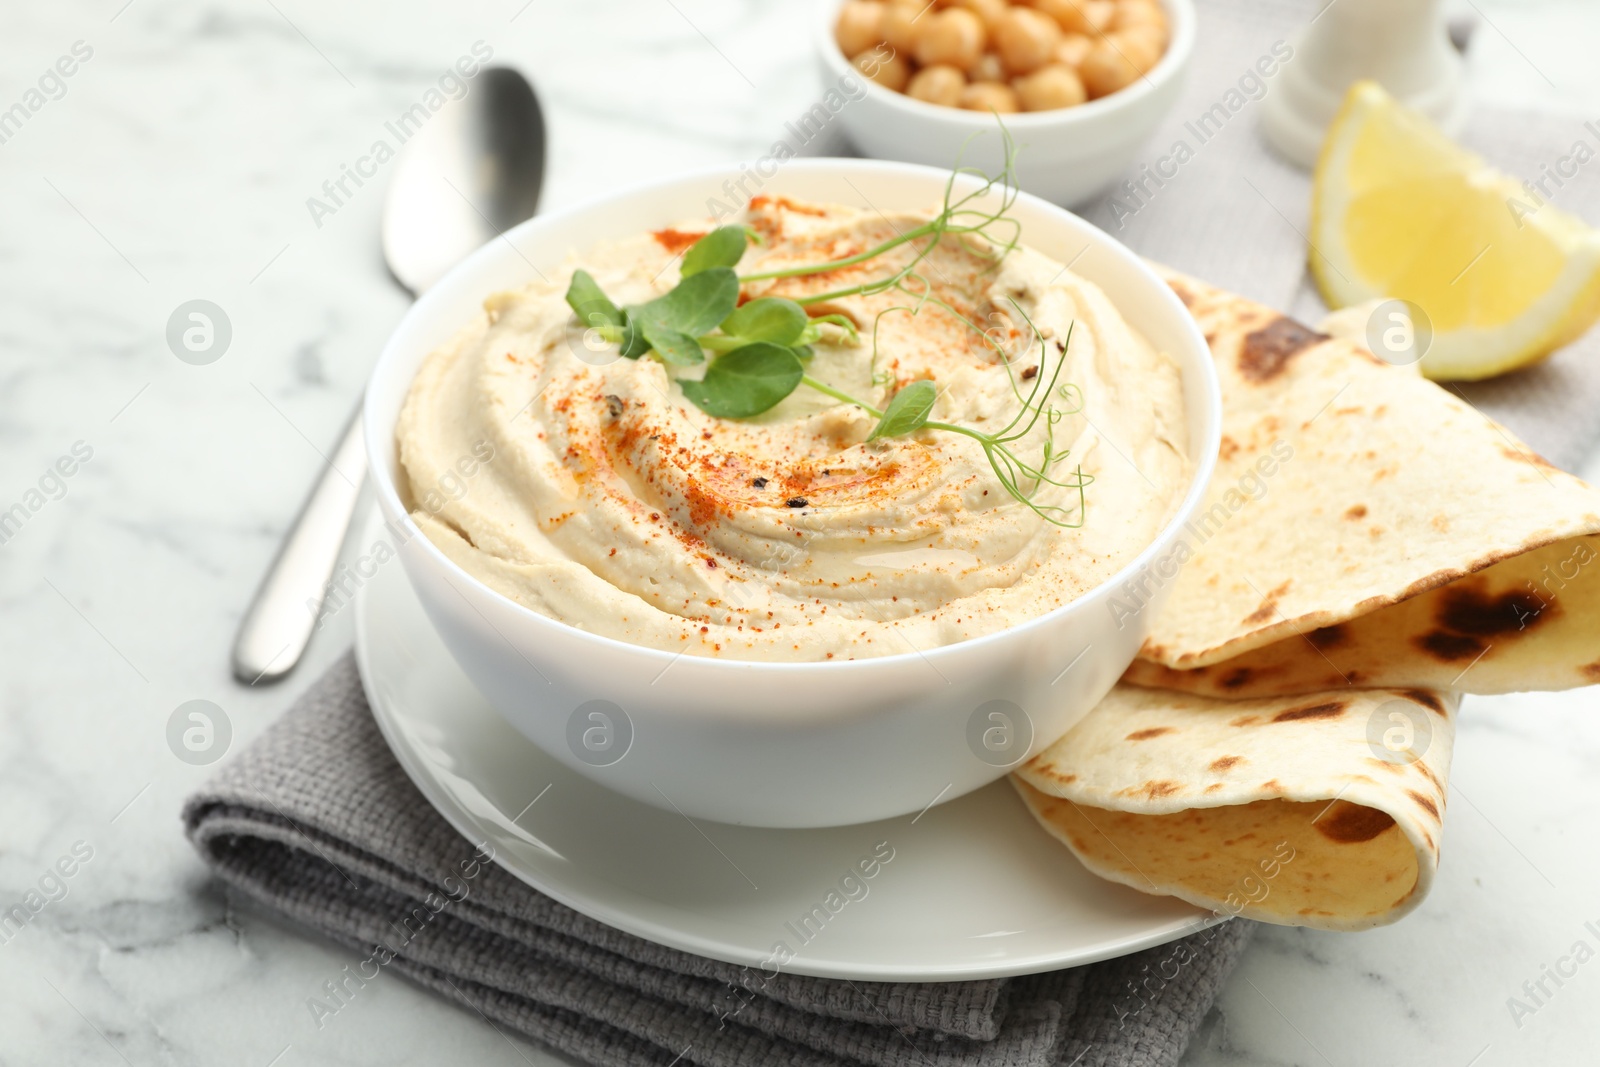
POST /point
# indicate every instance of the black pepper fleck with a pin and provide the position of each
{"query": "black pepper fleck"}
(759, 483)
(796, 502)
(614, 404)
(1030, 374)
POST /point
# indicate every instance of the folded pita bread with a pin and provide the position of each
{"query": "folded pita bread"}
(1367, 528)
(1318, 811)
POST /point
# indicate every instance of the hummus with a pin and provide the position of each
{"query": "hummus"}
(588, 488)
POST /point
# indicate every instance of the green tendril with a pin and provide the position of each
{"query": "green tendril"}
(760, 352)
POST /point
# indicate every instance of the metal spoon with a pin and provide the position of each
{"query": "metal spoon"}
(468, 174)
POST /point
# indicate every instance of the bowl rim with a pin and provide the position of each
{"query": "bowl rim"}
(379, 435)
(1182, 19)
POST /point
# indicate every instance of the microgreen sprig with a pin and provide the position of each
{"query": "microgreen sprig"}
(957, 219)
(762, 346)
(908, 411)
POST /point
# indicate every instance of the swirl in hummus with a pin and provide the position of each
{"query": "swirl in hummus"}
(613, 504)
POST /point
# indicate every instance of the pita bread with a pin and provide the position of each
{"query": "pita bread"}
(1367, 528)
(1319, 811)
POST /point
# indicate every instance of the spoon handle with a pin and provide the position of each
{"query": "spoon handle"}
(279, 622)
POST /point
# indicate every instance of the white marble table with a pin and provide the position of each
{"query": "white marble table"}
(175, 166)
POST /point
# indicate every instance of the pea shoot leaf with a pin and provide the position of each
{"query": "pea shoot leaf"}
(722, 247)
(697, 305)
(908, 411)
(679, 349)
(767, 318)
(633, 343)
(746, 381)
(592, 305)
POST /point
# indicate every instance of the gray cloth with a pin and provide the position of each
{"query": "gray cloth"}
(318, 822)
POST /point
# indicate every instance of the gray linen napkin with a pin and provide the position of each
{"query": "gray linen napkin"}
(318, 822)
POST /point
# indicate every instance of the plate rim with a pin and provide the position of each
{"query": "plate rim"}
(415, 767)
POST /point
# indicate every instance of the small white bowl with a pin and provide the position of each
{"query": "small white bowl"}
(783, 744)
(1068, 155)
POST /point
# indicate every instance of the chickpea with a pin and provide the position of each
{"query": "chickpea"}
(1069, 14)
(1143, 15)
(887, 69)
(1118, 60)
(1072, 49)
(990, 96)
(1050, 87)
(954, 36)
(1099, 13)
(988, 68)
(938, 84)
(990, 11)
(1089, 17)
(1026, 39)
(860, 26)
(1143, 46)
(901, 26)
(1105, 70)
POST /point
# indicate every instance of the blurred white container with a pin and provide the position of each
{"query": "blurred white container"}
(1402, 45)
(1068, 155)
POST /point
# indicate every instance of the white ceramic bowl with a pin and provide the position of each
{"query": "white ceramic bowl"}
(781, 744)
(1067, 155)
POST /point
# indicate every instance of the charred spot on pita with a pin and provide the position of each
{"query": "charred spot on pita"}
(1351, 824)
(1528, 456)
(1451, 648)
(1325, 637)
(1426, 803)
(1145, 735)
(1331, 709)
(1421, 767)
(1264, 611)
(1266, 351)
(1426, 698)
(1470, 610)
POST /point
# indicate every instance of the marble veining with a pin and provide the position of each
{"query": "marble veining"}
(176, 166)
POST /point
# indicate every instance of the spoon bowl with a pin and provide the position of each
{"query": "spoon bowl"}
(470, 173)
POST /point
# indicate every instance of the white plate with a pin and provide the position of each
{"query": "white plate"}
(974, 889)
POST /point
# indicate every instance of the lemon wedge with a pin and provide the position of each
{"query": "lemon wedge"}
(1399, 211)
